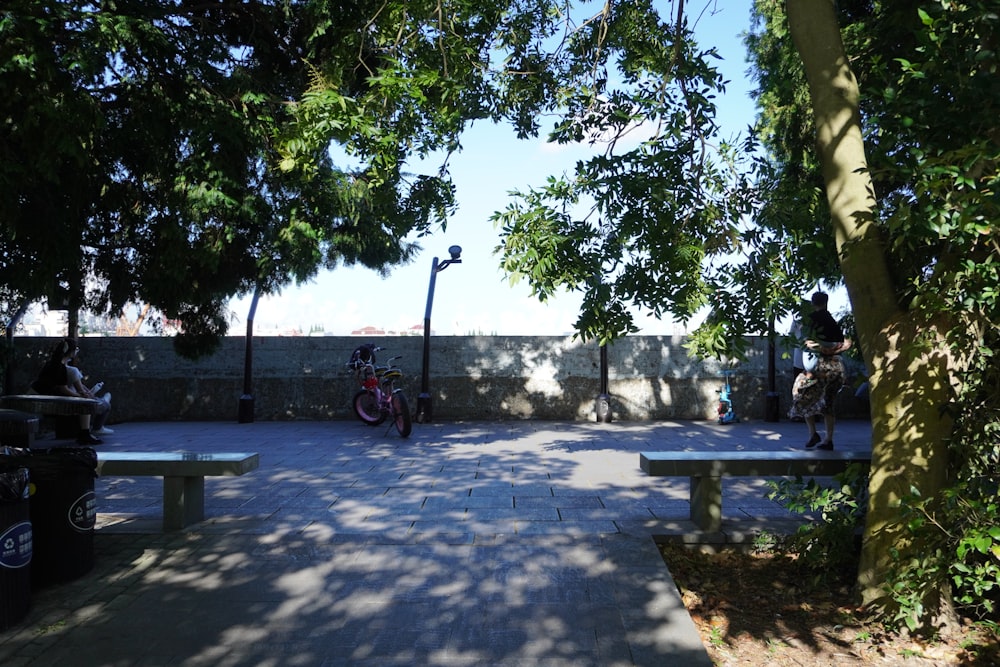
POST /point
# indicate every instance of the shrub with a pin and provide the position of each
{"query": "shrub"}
(961, 531)
(827, 549)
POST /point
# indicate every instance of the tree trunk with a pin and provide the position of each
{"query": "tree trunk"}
(907, 386)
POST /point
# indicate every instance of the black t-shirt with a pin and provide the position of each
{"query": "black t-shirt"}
(53, 375)
(822, 327)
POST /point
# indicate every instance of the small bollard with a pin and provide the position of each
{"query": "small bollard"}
(603, 407)
(245, 413)
(771, 409)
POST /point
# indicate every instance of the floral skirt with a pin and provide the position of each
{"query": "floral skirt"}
(818, 398)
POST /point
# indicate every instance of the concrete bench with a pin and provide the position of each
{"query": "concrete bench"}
(183, 477)
(706, 470)
(17, 428)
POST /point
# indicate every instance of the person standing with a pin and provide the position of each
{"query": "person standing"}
(814, 392)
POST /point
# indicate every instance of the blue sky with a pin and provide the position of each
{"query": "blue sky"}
(473, 297)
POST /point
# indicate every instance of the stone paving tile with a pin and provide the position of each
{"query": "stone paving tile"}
(514, 543)
(434, 502)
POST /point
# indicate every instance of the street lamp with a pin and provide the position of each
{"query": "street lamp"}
(244, 413)
(771, 405)
(602, 404)
(424, 411)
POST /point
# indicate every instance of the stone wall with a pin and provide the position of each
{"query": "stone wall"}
(471, 378)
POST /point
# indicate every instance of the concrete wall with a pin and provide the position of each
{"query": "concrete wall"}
(471, 377)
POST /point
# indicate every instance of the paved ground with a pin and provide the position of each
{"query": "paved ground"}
(482, 543)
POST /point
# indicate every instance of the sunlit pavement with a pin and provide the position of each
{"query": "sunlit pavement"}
(479, 543)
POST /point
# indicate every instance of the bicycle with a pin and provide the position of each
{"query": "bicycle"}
(727, 413)
(379, 397)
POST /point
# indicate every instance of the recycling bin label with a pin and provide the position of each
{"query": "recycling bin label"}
(83, 512)
(15, 546)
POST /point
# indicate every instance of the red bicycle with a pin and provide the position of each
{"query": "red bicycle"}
(379, 397)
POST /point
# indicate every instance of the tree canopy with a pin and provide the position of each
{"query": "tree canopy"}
(179, 153)
(660, 201)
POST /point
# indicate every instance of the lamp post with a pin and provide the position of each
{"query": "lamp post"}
(771, 405)
(244, 413)
(424, 410)
(602, 404)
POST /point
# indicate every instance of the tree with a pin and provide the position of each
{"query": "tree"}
(179, 153)
(636, 223)
(656, 220)
(911, 233)
(908, 361)
(918, 253)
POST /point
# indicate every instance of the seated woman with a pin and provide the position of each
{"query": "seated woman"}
(53, 380)
(75, 379)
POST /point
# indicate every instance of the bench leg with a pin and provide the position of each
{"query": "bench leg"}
(183, 501)
(706, 502)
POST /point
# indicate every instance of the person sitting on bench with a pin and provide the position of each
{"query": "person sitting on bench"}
(53, 380)
(75, 380)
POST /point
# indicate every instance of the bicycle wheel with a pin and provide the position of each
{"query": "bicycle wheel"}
(367, 409)
(401, 414)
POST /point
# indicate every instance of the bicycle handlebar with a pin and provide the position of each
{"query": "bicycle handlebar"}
(357, 363)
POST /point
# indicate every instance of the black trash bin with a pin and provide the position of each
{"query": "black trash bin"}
(63, 512)
(15, 544)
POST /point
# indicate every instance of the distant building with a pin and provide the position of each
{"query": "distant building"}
(368, 331)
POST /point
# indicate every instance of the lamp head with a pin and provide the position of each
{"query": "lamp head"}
(456, 252)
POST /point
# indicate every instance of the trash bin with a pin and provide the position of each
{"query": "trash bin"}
(15, 543)
(63, 512)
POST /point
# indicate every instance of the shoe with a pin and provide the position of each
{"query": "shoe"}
(825, 445)
(813, 441)
(104, 430)
(87, 438)
(107, 398)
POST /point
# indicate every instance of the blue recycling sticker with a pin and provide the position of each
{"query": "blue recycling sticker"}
(15, 546)
(83, 512)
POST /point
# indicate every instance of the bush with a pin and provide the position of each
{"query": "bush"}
(961, 532)
(827, 549)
